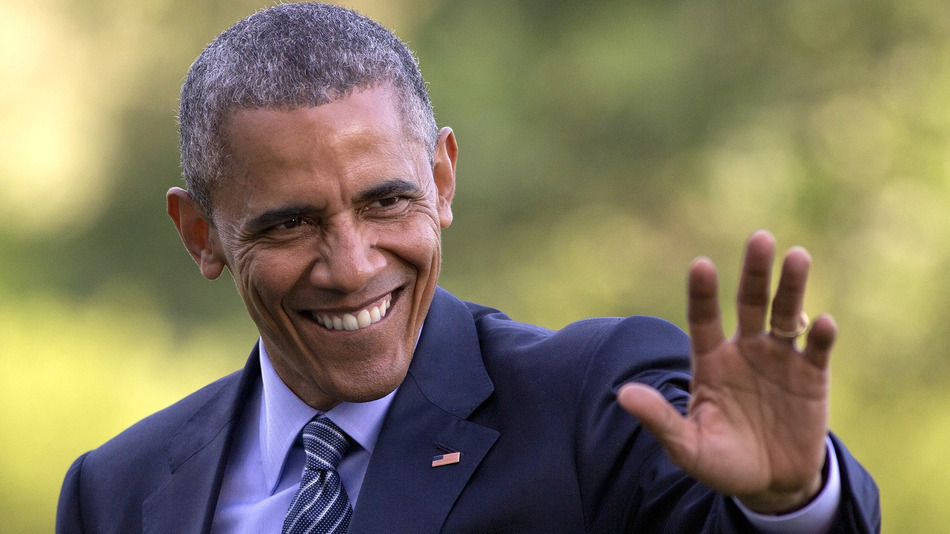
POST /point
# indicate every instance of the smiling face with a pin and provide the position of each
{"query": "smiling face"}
(329, 220)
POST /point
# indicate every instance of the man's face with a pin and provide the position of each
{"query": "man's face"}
(329, 219)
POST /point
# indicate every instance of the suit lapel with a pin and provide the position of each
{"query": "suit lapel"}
(447, 381)
(197, 455)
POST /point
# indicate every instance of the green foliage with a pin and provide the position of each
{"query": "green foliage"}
(603, 145)
(76, 374)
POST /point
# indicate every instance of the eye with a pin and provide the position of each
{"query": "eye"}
(288, 224)
(386, 202)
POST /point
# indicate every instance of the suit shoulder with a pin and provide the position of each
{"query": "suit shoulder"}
(105, 489)
(652, 341)
(602, 335)
(153, 431)
(598, 352)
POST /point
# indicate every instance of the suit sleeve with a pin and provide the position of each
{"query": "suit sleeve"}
(860, 509)
(625, 475)
(69, 510)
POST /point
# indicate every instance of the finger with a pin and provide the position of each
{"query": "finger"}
(659, 417)
(790, 295)
(821, 338)
(752, 298)
(705, 320)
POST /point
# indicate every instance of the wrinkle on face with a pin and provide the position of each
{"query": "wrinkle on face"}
(332, 209)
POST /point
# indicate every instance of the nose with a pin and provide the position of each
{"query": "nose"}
(349, 258)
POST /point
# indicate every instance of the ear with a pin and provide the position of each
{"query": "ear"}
(197, 232)
(443, 171)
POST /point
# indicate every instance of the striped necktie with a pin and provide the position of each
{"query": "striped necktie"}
(321, 505)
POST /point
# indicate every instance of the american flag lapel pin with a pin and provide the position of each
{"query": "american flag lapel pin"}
(446, 459)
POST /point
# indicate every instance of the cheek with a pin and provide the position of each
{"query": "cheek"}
(265, 279)
(419, 245)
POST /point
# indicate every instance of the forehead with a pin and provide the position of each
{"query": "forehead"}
(351, 141)
(360, 115)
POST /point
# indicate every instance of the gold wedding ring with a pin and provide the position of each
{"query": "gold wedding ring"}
(790, 335)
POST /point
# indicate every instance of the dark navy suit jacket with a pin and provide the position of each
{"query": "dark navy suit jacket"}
(544, 445)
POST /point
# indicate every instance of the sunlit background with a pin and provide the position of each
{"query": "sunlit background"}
(603, 146)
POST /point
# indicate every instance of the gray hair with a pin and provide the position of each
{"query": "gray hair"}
(291, 56)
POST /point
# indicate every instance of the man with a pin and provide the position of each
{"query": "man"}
(377, 402)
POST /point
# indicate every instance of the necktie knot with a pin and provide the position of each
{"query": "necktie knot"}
(324, 444)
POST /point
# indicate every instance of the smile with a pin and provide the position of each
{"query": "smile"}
(356, 320)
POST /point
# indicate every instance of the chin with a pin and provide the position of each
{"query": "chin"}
(371, 384)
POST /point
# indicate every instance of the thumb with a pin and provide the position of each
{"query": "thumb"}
(660, 418)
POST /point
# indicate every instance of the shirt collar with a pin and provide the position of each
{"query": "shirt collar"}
(283, 415)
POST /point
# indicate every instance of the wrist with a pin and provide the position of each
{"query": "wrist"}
(781, 503)
(817, 516)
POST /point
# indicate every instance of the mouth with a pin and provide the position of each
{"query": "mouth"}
(354, 320)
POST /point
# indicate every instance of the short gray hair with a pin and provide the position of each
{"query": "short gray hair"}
(291, 56)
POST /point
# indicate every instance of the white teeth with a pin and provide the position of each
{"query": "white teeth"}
(363, 319)
(351, 322)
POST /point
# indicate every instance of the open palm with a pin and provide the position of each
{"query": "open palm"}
(756, 423)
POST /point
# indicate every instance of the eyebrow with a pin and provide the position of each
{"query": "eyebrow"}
(387, 189)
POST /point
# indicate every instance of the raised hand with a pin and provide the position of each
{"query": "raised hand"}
(756, 424)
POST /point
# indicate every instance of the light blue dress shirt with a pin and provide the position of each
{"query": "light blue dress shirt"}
(267, 460)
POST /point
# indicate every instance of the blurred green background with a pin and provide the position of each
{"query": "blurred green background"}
(603, 146)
